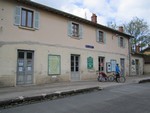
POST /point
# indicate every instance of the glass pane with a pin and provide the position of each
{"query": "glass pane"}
(21, 55)
(23, 18)
(77, 58)
(72, 64)
(72, 58)
(30, 21)
(75, 29)
(29, 55)
(121, 41)
(102, 60)
(77, 68)
(29, 63)
(102, 69)
(72, 69)
(100, 36)
(77, 63)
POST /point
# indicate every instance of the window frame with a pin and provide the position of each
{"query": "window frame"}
(100, 38)
(18, 18)
(121, 42)
(26, 17)
(101, 63)
(79, 34)
(75, 29)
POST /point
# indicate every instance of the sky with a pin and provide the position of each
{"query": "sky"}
(118, 11)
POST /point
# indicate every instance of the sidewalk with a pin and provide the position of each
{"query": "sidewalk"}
(12, 94)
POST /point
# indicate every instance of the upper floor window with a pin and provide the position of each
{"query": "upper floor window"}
(121, 42)
(101, 36)
(26, 18)
(74, 30)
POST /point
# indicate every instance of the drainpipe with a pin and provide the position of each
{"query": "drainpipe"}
(129, 49)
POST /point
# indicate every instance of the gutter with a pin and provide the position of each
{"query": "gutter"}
(70, 16)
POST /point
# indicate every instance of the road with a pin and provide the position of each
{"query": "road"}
(131, 98)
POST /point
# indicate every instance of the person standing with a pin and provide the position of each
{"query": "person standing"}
(117, 72)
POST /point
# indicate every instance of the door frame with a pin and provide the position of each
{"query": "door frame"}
(99, 60)
(75, 72)
(25, 82)
(137, 66)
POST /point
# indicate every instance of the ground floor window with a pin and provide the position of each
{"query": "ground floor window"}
(113, 65)
(101, 63)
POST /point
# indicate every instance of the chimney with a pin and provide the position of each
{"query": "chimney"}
(121, 29)
(94, 18)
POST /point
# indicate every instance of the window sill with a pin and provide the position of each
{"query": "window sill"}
(101, 42)
(27, 28)
(75, 37)
(122, 47)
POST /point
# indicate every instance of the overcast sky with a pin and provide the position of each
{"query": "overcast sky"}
(119, 11)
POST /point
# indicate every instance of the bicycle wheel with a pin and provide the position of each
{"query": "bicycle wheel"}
(99, 78)
(102, 79)
(111, 78)
(121, 79)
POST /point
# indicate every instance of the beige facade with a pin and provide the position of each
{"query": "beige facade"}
(51, 38)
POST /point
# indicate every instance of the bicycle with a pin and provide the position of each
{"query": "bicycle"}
(102, 77)
(120, 78)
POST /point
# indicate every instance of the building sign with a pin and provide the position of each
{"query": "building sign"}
(53, 64)
(89, 46)
(89, 62)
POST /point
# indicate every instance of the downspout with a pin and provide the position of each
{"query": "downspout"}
(129, 49)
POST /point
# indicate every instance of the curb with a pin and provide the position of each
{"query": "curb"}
(144, 80)
(43, 97)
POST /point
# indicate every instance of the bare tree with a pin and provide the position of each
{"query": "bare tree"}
(140, 30)
(112, 25)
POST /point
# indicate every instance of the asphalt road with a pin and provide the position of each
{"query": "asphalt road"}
(133, 98)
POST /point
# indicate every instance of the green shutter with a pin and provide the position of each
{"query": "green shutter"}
(104, 33)
(80, 32)
(17, 18)
(70, 29)
(36, 20)
(97, 35)
(124, 43)
(119, 41)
